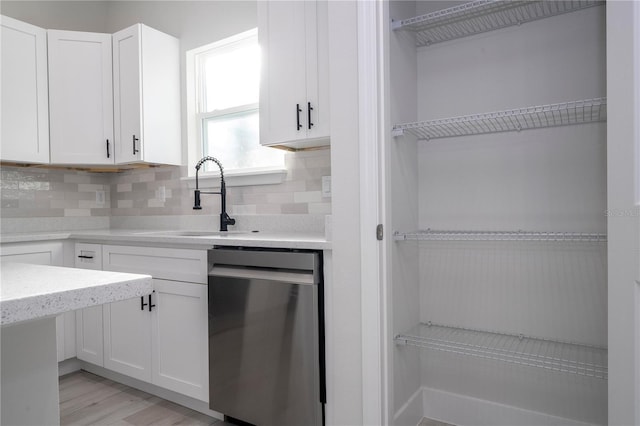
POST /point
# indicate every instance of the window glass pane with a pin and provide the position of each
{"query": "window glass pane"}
(233, 139)
(231, 76)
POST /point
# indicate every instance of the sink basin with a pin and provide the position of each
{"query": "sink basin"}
(193, 233)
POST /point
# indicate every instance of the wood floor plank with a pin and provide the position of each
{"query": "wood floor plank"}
(87, 394)
(168, 413)
(430, 422)
(110, 409)
(87, 399)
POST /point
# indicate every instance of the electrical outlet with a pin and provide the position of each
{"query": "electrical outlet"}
(100, 198)
(161, 193)
(326, 186)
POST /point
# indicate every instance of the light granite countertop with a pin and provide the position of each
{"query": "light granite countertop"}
(30, 292)
(203, 240)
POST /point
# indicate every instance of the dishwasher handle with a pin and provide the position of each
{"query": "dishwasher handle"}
(302, 278)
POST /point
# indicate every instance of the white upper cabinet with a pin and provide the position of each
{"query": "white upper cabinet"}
(146, 79)
(80, 97)
(294, 86)
(25, 117)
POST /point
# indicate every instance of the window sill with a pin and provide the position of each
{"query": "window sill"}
(266, 176)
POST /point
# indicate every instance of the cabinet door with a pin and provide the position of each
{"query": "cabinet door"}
(179, 338)
(127, 96)
(80, 98)
(146, 78)
(89, 335)
(50, 253)
(294, 87)
(25, 108)
(127, 337)
(89, 327)
(317, 68)
(281, 34)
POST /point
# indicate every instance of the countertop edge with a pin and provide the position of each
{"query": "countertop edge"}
(33, 307)
(151, 237)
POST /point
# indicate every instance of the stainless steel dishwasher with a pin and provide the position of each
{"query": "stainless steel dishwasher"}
(266, 336)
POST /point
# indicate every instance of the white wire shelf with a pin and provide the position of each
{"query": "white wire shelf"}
(454, 235)
(534, 117)
(482, 16)
(584, 360)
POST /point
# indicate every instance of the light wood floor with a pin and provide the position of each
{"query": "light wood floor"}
(429, 422)
(87, 399)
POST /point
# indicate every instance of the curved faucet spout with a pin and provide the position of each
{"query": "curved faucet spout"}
(224, 217)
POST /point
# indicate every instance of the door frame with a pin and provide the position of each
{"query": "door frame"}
(372, 128)
(623, 210)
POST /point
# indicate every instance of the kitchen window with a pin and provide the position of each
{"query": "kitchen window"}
(223, 80)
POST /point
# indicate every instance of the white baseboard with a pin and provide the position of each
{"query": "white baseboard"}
(464, 410)
(411, 411)
(68, 366)
(194, 404)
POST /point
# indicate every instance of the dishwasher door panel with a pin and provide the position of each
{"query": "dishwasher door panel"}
(263, 351)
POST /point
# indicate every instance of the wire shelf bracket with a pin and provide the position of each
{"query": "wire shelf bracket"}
(483, 16)
(583, 360)
(454, 235)
(535, 117)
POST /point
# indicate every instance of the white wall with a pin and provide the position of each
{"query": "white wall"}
(402, 163)
(623, 151)
(60, 15)
(345, 343)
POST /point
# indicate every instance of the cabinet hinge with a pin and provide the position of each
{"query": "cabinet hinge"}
(379, 232)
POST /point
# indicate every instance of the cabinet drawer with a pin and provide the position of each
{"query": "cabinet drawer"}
(49, 253)
(164, 263)
(88, 256)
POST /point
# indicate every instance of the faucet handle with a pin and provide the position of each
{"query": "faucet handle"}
(196, 203)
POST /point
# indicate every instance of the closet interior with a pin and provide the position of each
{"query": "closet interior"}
(496, 170)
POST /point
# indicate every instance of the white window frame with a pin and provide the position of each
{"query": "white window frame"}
(195, 118)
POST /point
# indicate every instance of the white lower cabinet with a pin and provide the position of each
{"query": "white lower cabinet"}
(161, 338)
(89, 335)
(89, 330)
(45, 253)
(127, 337)
(179, 338)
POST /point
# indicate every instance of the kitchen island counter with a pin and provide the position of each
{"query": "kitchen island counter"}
(36, 291)
(30, 297)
